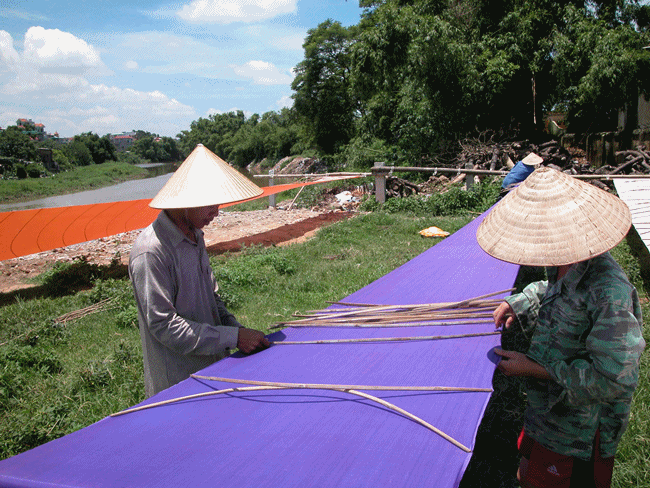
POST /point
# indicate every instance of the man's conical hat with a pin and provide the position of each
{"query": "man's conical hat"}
(552, 219)
(202, 180)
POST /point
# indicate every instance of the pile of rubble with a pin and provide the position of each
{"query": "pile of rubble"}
(503, 156)
(569, 160)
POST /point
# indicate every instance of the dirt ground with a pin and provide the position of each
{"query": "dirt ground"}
(228, 232)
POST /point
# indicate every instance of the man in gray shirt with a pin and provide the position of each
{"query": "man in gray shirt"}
(184, 324)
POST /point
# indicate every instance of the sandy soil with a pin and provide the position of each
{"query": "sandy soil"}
(228, 232)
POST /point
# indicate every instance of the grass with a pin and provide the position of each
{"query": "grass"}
(78, 179)
(56, 378)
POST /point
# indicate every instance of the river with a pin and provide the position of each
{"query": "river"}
(128, 190)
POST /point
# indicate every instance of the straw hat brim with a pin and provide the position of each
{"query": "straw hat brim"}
(204, 179)
(553, 219)
(532, 160)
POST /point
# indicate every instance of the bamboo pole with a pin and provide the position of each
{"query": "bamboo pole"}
(412, 417)
(343, 390)
(325, 386)
(382, 339)
(353, 389)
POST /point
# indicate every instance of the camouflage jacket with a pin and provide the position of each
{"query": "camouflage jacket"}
(588, 336)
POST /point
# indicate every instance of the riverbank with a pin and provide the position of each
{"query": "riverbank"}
(77, 180)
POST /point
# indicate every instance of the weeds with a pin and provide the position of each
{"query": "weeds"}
(454, 201)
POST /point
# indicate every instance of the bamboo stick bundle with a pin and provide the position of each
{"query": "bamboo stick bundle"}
(390, 312)
(359, 310)
(77, 314)
(372, 311)
(393, 317)
(357, 314)
(384, 321)
(450, 305)
(387, 319)
(436, 322)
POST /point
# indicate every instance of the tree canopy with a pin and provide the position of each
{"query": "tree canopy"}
(416, 74)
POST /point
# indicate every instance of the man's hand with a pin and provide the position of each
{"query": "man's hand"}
(517, 364)
(251, 340)
(504, 315)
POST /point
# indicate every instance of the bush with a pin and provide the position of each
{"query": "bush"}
(36, 170)
(65, 277)
(20, 171)
(455, 201)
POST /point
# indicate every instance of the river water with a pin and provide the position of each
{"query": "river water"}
(128, 190)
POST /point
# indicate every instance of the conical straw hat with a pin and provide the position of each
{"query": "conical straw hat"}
(553, 219)
(204, 179)
(532, 160)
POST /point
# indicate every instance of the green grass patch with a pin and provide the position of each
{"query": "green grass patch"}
(264, 286)
(78, 179)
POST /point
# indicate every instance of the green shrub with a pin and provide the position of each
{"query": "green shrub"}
(65, 277)
(20, 171)
(454, 201)
(36, 170)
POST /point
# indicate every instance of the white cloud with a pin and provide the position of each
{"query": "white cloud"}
(284, 102)
(131, 65)
(214, 111)
(263, 73)
(8, 55)
(52, 71)
(227, 11)
(55, 51)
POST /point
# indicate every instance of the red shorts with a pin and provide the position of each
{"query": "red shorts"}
(549, 469)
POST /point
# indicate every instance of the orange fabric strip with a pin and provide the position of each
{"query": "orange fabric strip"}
(24, 232)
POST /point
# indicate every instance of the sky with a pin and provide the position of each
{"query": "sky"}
(112, 66)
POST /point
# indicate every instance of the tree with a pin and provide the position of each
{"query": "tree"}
(425, 71)
(323, 97)
(156, 149)
(215, 133)
(101, 148)
(598, 69)
(78, 153)
(14, 143)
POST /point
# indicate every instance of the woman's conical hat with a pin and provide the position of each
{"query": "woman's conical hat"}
(553, 219)
(204, 179)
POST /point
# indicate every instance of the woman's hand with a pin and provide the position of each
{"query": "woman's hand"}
(517, 364)
(504, 315)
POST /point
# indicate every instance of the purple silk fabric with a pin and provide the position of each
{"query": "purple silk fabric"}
(298, 438)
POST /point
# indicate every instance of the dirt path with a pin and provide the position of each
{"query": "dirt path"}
(228, 232)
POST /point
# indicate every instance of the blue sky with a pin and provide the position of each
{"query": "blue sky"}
(109, 66)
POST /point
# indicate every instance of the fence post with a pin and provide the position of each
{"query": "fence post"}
(469, 178)
(380, 184)
(271, 197)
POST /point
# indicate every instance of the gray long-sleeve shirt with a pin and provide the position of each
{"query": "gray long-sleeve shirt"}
(184, 325)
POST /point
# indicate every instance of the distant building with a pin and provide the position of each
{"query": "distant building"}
(123, 141)
(35, 130)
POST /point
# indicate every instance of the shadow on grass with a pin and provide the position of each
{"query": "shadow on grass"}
(66, 279)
